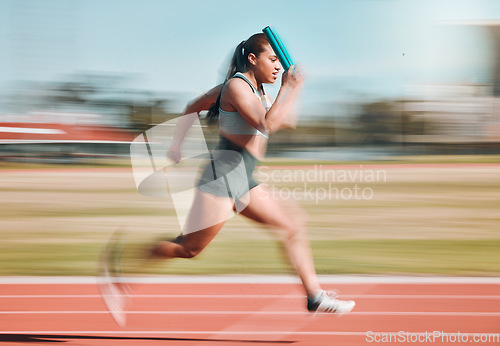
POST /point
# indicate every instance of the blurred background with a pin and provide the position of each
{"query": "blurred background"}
(408, 87)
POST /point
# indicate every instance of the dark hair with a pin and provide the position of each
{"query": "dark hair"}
(239, 63)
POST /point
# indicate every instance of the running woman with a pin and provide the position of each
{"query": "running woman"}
(246, 119)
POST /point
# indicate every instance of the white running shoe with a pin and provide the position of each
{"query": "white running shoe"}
(113, 290)
(328, 302)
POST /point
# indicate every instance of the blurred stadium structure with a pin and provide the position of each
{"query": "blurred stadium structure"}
(441, 113)
(87, 117)
(93, 115)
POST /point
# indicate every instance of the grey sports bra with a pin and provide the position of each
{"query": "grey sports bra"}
(233, 123)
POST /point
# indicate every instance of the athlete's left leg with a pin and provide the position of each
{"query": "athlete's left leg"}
(289, 219)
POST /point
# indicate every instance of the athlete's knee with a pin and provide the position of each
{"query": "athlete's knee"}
(191, 251)
(294, 232)
(297, 217)
(298, 226)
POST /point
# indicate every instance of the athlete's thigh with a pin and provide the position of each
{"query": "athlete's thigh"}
(206, 217)
(268, 209)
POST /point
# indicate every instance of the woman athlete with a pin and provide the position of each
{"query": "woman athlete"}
(246, 118)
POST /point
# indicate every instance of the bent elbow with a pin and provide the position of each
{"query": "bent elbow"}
(271, 127)
(268, 127)
(197, 105)
(190, 107)
(289, 126)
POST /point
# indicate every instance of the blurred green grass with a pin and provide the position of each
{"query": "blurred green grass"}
(274, 161)
(421, 221)
(371, 256)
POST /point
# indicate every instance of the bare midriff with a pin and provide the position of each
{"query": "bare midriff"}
(254, 144)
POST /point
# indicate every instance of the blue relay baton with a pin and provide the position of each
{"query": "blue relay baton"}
(278, 47)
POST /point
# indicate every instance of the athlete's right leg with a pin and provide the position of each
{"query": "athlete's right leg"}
(205, 219)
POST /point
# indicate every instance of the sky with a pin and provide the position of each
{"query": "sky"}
(347, 49)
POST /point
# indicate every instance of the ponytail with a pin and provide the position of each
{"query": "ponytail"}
(239, 63)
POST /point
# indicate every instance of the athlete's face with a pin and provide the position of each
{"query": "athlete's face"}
(267, 66)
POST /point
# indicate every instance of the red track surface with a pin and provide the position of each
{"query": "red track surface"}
(244, 314)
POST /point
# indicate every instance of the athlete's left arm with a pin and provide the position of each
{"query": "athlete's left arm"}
(204, 101)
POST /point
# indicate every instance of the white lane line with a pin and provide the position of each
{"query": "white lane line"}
(40, 131)
(256, 279)
(235, 296)
(187, 332)
(250, 312)
(260, 296)
(61, 333)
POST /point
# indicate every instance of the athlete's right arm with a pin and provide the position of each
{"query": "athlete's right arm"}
(250, 108)
(201, 103)
(280, 115)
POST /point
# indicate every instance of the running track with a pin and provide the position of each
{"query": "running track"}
(245, 311)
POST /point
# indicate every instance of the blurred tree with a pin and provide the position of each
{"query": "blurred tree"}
(99, 94)
(413, 123)
(379, 123)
